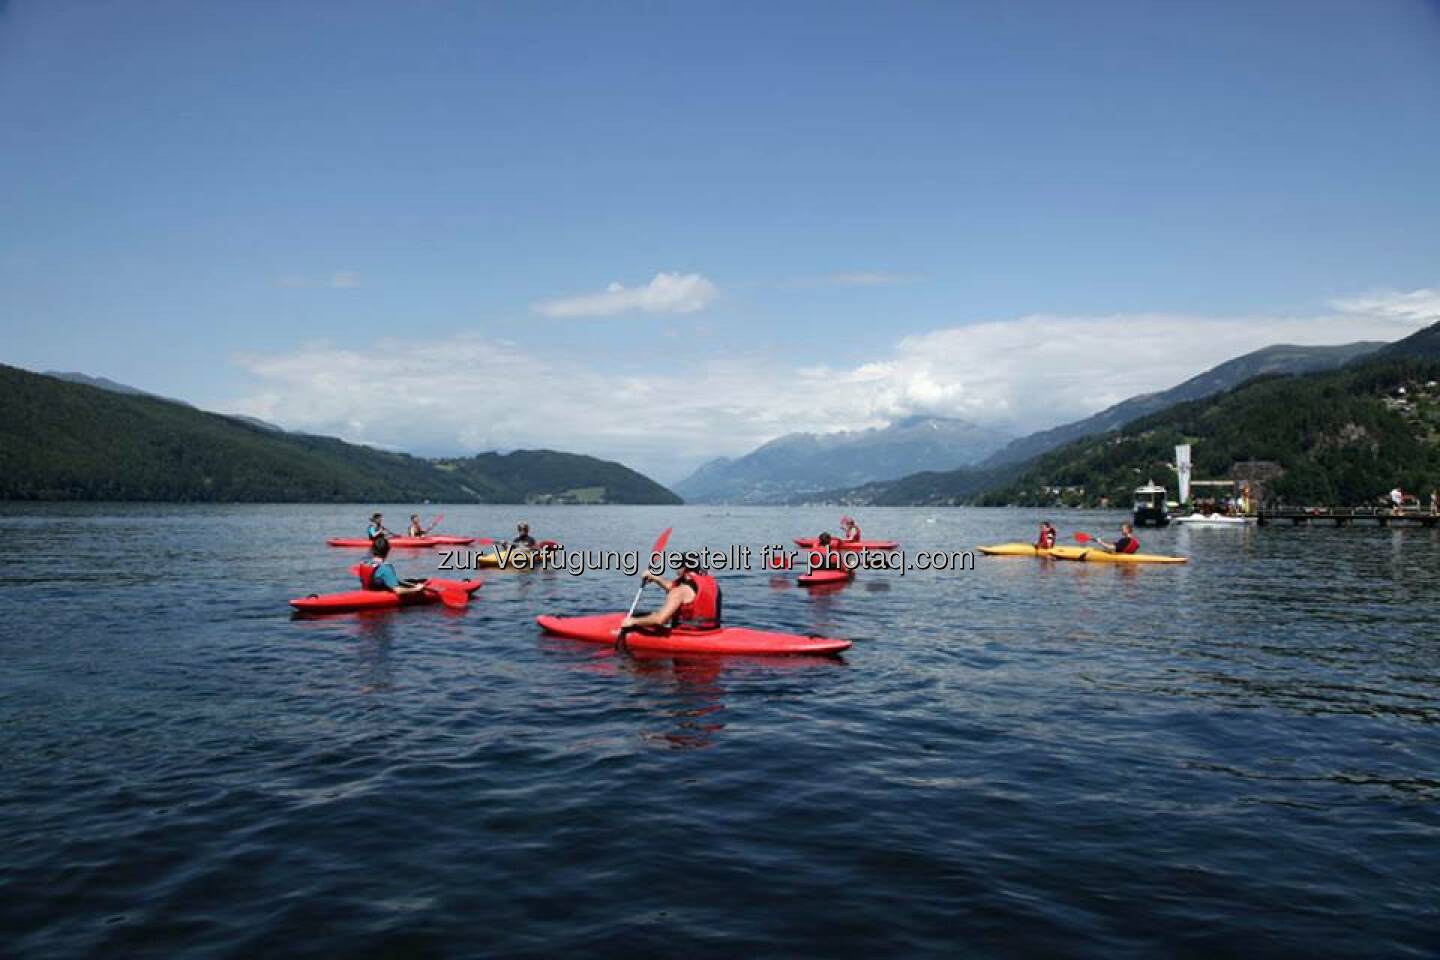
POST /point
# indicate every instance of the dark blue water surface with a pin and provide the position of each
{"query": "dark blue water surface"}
(1236, 757)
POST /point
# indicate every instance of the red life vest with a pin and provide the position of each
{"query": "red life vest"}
(1046, 540)
(363, 571)
(1127, 545)
(702, 613)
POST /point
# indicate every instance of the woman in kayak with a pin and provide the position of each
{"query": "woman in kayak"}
(1126, 542)
(849, 529)
(417, 529)
(377, 527)
(1046, 540)
(692, 601)
(382, 571)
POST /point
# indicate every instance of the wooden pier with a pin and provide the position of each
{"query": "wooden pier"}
(1341, 517)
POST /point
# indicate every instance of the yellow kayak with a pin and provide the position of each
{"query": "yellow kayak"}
(514, 560)
(517, 560)
(1094, 555)
(1014, 550)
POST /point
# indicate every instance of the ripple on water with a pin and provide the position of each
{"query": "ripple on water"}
(1235, 757)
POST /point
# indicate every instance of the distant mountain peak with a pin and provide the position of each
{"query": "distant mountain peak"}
(106, 384)
(807, 461)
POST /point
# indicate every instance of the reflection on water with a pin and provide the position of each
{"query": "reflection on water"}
(1031, 758)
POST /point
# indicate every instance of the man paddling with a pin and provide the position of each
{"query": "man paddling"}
(382, 571)
(1126, 543)
(849, 529)
(692, 600)
(417, 529)
(522, 536)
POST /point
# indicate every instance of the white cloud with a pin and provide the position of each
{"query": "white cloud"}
(666, 293)
(344, 279)
(469, 393)
(1418, 306)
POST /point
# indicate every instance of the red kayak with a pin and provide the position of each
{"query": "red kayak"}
(824, 578)
(353, 600)
(809, 542)
(602, 628)
(436, 541)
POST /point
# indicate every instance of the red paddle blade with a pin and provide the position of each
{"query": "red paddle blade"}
(455, 599)
(485, 542)
(656, 551)
(436, 522)
(1083, 538)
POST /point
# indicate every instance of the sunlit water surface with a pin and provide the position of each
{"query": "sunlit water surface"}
(1240, 756)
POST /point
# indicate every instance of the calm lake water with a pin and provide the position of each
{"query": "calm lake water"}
(1240, 756)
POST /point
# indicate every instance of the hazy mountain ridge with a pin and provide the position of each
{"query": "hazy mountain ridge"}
(775, 471)
(974, 484)
(1286, 359)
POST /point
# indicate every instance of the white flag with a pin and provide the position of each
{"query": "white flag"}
(1182, 467)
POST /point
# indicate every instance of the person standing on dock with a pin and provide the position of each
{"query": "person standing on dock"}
(1397, 501)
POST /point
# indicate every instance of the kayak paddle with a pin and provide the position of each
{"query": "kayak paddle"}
(659, 547)
(434, 523)
(1083, 537)
(454, 599)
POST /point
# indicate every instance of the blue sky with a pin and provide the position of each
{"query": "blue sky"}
(360, 217)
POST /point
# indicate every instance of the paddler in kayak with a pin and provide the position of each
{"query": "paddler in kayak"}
(692, 601)
(1047, 536)
(849, 529)
(376, 527)
(417, 529)
(1125, 543)
(825, 555)
(380, 573)
(522, 536)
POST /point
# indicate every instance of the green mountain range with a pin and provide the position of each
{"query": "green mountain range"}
(62, 440)
(1280, 358)
(1343, 437)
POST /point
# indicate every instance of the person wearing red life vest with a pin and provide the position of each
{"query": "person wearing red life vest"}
(692, 602)
(1047, 536)
(825, 555)
(378, 573)
(849, 529)
(1126, 543)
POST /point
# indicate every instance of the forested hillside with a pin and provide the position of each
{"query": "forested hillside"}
(61, 440)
